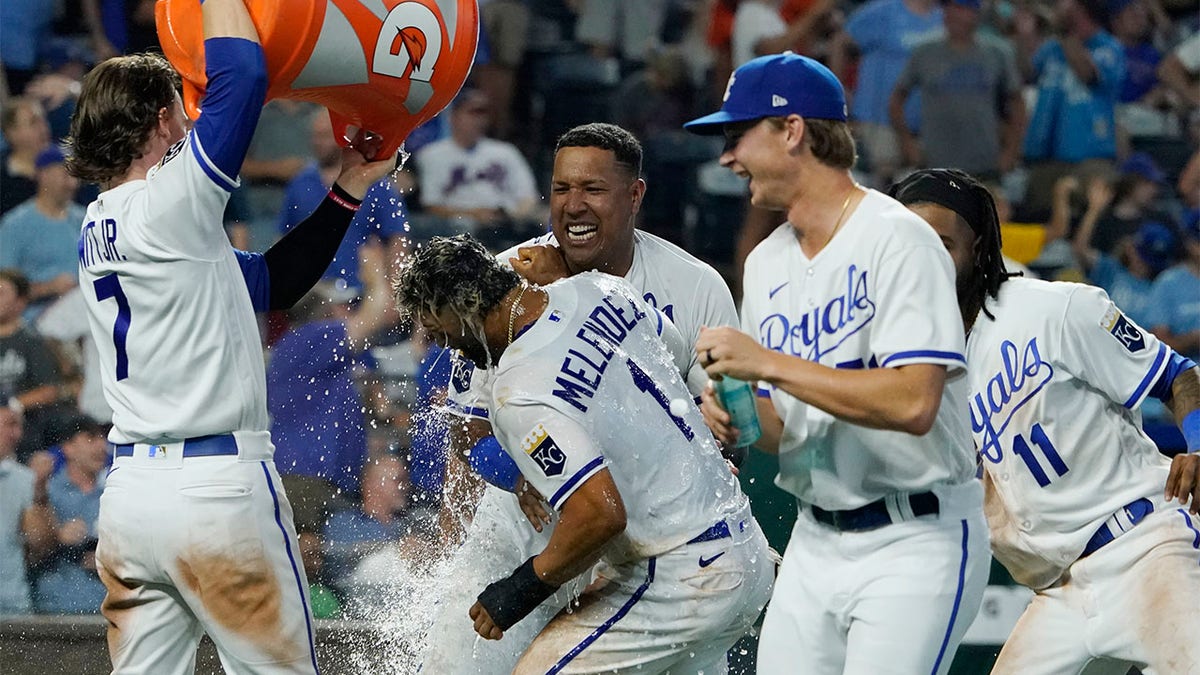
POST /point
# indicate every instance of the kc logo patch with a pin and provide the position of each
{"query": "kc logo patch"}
(1124, 330)
(461, 375)
(542, 449)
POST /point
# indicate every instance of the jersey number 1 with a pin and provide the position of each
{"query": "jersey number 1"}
(109, 286)
(643, 382)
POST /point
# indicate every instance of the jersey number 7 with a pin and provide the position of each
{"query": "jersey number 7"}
(109, 286)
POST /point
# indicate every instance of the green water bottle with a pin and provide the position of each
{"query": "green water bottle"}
(737, 398)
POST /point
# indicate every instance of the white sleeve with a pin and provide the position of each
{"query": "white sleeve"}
(185, 204)
(553, 451)
(467, 394)
(1104, 348)
(917, 319)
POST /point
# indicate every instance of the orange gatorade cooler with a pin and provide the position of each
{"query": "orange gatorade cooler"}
(385, 66)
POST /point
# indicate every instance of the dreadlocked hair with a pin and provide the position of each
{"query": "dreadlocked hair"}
(974, 205)
(455, 273)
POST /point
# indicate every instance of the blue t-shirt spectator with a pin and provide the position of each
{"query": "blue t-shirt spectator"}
(41, 246)
(318, 424)
(1074, 121)
(66, 585)
(886, 32)
(1130, 293)
(382, 214)
(24, 28)
(1175, 302)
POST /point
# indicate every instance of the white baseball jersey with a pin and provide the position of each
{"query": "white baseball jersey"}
(684, 288)
(1056, 381)
(179, 347)
(564, 392)
(874, 297)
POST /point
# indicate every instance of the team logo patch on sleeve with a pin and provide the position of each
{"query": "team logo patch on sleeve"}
(1124, 330)
(173, 152)
(542, 449)
(460, 375)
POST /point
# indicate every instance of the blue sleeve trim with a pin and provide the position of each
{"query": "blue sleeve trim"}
(1175, 366)
(763, 392)
(470, 411)
(491, 463)
(1190, 426)
(1139, 393)
(257, 278)
(214, 174)
(925, 356)
(580, 476)
(237, 87)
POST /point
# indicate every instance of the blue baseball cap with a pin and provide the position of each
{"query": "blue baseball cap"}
(1142, 165)
(775, 86)
(1156, 244)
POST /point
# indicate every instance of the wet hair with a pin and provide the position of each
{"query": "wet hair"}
(623, 144)
(14, 276)
(455, 273)
(971, 201)
(116, 114)
(829, 140)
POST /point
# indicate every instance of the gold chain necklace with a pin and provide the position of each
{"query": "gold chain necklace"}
(838, 224)
(512, 311)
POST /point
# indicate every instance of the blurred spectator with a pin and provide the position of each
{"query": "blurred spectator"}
(29, 375)
(311, 499)
(23, 124)
(1176, 297)
(65, 322)
(1127, 273)
(382, 214)
(471, 177)
(1078, 77)
(384, 529)
(1141, 101)
(24, 31)
(66, 582)
(506, 23)
(1189, 182)
(318, 423)
(972, 111)
(626, 29)
(1179, 70)
(120, 26)
(26, 525)
(39, 237)
(659, 98)
(1133, 203)
(759, 27)
(885, 33)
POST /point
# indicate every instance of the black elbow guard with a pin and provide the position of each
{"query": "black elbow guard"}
(511, 599)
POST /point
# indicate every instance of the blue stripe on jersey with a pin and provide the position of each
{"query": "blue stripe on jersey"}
(1159, 361)
(467, 410)
(257, 278)
(224, 182)
(580, 476)
(962, 575)
(925, 354)
(287, 545)
(237, 86)
(603, 628)
(1176, 365)
(1187, 520)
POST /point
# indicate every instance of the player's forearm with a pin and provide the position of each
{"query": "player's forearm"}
(1185, 394)
(297, 261)
(227, 18)
(592, 517)
(904, 398)
(771, 425)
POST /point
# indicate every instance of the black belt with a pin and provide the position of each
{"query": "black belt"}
(873, 515)
(1136, 511)
(200, 446)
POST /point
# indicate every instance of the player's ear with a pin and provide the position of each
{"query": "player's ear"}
(637, 191)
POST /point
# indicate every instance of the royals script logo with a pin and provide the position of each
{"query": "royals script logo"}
(820, 330)
(1023, 374)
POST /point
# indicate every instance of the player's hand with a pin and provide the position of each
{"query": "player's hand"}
(1183, 481)
(358, 172)
(718, 421)
(540, 264)
(532, 504)
(729, 351)
(483, 623)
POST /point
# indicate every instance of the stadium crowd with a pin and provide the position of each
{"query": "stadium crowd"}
(1082, 117)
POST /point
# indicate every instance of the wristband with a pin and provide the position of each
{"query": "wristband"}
(511, 599)
(491, 463)
(1191, 430)
(343, 198)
